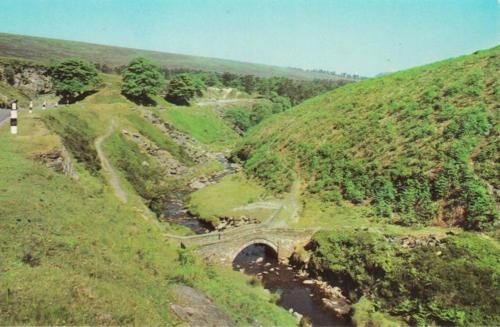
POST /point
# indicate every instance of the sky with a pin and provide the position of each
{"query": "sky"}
(364, 37)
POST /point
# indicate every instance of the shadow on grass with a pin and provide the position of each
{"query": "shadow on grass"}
(78, 98)
(141, 100)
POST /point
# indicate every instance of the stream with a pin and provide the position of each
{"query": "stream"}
(175, 209)
(259, 261)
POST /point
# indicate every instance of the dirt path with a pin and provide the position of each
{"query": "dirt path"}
(112, 177)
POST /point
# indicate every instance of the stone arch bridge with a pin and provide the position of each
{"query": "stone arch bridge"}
(223, 247)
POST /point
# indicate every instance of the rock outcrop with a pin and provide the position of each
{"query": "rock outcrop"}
(196, 309)
(192, 147)
(29, 78)
(58, 160)
(170, 165)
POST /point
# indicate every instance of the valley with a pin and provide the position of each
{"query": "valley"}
(367, 205)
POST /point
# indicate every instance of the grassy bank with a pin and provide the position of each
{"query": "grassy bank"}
(201, 123)
(229, 198)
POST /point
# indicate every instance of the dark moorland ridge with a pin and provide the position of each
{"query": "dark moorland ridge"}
(45, 49)
(420, 146)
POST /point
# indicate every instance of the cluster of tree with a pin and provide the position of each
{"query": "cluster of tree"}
(333, 73)
(186, 83)
(245, 118)
(295, 90)
(143, 79)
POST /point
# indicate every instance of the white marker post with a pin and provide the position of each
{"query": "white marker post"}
(31, 107)
(44, 105)
(13, 119)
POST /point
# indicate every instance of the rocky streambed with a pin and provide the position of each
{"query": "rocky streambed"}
(312, 301)
(175, 206)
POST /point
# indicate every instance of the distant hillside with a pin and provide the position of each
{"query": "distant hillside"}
(45, 49)
(420, 145)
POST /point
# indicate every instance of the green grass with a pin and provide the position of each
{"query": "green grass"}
(419, 146)
(8, 92)
(346, 216)
(230, 193)
(45, 49)
(72, 254)
(202, 124)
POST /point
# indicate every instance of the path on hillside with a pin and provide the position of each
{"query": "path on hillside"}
(215, 102)
(113, 179)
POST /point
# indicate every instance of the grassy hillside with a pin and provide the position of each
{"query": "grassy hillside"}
(418, 146)
(44, 49)
(71, 253)
(201, 123)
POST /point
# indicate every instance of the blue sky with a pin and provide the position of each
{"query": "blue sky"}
(364, 37)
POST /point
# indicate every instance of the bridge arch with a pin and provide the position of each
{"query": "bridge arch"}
(273, 246)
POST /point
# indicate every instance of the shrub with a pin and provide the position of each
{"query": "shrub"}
(474, 83)
(269, 168)
(479, 206)
(469, 122)
(240, 118)
(260, 112)
(453, 284)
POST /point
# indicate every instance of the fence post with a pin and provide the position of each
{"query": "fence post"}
(13, 118)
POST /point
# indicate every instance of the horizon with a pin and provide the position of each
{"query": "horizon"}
(278, 33)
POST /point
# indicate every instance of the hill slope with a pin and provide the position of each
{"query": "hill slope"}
(44, 49)
(72, 253)
(419, 145)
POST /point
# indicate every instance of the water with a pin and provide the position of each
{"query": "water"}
(175, 212)
(281, 278)
(175, 206)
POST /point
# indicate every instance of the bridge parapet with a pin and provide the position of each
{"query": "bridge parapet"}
(224, 247)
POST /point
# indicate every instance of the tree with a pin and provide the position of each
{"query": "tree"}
(181, 89)
(74, 78)
(211, 79)
(142, 79)
(249, 83)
